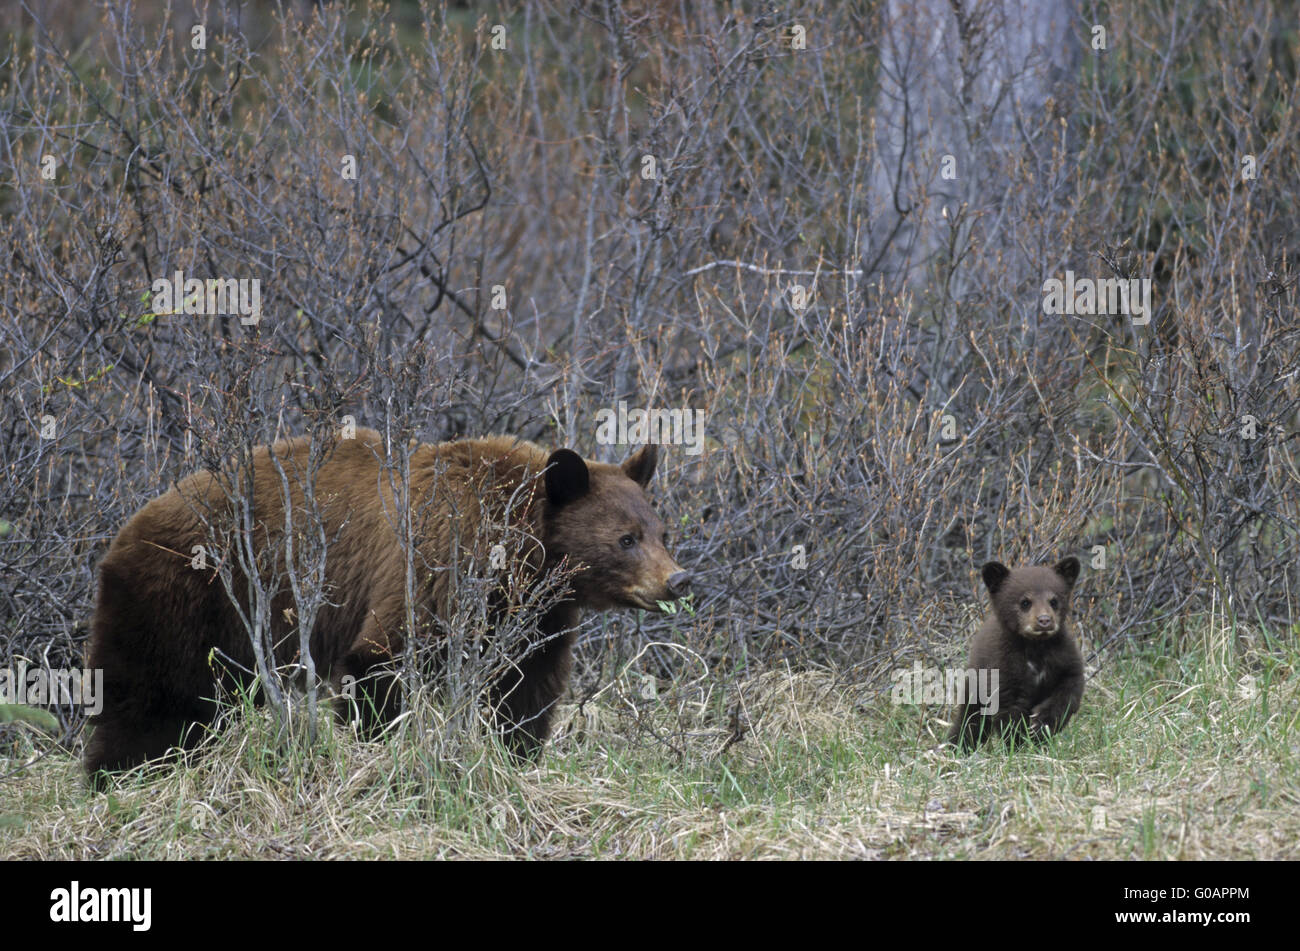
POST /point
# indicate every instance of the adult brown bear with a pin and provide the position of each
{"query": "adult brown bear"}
(159, 620)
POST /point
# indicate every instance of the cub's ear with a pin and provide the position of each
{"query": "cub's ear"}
(640, 466)
(994, 574)
(567, 479)
(1068, 568)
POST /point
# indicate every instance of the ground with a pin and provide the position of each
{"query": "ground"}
(1187, 757)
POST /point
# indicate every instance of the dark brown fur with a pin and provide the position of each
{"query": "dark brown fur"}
(158, 619)
(1027, 639)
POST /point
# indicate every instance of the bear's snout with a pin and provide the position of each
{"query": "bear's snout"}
(662, 579)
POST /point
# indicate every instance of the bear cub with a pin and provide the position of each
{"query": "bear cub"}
(1026, 638)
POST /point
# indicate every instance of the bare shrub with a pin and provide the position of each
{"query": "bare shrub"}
(668, 206)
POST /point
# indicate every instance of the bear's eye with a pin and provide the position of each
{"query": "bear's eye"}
(665, 539)
(627, 541)
(1052, 603)
(1024, 604)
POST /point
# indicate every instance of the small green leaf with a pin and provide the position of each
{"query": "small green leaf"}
(12, 712)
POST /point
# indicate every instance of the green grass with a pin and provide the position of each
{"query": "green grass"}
(1183, 757)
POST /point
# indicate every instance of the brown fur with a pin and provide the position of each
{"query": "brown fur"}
(158, 619)
(1027, 639)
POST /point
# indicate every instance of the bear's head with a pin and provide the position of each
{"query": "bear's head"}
(599, 517)
(1032, 602)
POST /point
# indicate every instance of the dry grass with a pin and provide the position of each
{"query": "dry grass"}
(1171, 758)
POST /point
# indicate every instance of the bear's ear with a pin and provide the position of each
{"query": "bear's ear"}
(1068, 568)
(994, 574)
(567, 479)
(640, 466)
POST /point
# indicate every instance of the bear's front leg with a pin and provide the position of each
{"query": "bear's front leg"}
(1010, 722)
(524, 698)
(367, 686)
(1050, 715)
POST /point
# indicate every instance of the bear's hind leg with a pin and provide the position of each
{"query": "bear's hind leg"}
(967, 731)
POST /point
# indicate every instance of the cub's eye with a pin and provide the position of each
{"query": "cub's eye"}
(1052, 603)
(1024, 604)
(627, 541)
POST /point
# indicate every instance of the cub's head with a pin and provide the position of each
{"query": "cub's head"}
(1032, 602)
(599, 516)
